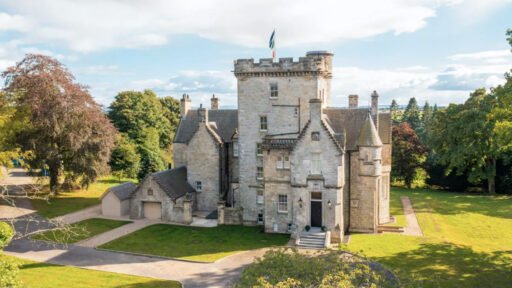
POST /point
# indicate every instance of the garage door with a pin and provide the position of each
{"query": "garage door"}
(152, 210)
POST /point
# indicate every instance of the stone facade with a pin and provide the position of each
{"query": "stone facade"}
(286, 159)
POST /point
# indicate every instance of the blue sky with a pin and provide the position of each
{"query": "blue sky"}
(435, 50)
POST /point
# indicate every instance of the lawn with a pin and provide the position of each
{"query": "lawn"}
(194, 243)
(43, 275)
(80, 230)
(467, 240)
(67, 202)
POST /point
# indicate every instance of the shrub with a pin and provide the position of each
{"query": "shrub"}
(9, 274)
(287, 268)
(307, 228)
(6, 234)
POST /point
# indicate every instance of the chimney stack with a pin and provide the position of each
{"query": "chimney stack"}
(185, 104)
(315, 109)
(214, 103)
(203, 114)
(352, 101)
(375, 108)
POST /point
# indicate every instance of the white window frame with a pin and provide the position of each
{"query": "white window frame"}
(279, 163)
(274, 90)
(199, 186)
(263, 123)
(286, 162)
(259, 173)
(260, 221)
(282, 203)
(259, 149)
(236, 151)
(259, 197)
(316, 164)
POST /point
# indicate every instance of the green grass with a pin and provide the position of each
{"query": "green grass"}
(43, 275)
(193, 243)
(67, 202)
(467, 242)
(80, 230)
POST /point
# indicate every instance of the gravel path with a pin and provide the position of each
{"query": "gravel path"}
(413, 227)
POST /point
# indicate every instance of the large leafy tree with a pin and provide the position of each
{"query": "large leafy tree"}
(66, 129)
(408, 153)
(133, 111)
(412, 114)
(464, 138)
(124, 161)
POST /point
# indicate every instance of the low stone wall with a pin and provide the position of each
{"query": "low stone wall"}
(229, 215)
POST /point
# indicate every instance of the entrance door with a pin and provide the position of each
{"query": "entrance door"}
(316, 209)
(152, 210)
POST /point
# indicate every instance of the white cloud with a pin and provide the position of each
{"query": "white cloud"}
(95, 25)
(483, 55)
(15, 22)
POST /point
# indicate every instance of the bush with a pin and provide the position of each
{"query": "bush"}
(286, 268)
(9, 274)
(6, 234)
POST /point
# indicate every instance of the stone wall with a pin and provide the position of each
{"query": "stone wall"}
(203, 165)
(171, 211)
(179, 152)
(363, 198)
(297, 83)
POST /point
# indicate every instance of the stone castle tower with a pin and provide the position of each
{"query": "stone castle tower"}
(273, 100)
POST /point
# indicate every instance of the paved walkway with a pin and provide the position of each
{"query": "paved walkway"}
(413, 227)
(116, 233)
(87, 213)
(222, 273)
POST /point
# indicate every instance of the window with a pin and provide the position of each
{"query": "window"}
(316, 164)
(315, 136)
(282, 204)
(260, 218)
(259, 197)
(235, 149)
(263, 123)
(199, 186)
(273, 90)
(296, 112)
(283, 162)
(259, 173)
(259, 149)
(150, 192)
(279, 162)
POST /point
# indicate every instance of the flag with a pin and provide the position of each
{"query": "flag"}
(272, 43)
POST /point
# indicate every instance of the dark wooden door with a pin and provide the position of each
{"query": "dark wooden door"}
(316, 214)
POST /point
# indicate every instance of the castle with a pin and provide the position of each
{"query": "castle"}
(286, 159)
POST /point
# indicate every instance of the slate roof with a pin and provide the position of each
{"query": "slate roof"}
(121, 191)
(174, 182)
(279, 143)
(369, 136)
(347, 122)
(226, 121)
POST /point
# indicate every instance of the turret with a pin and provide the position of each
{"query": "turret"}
(370, 149)
(375, 108)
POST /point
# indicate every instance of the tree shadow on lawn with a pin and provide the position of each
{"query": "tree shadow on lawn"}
(450, 203)
(449, 265)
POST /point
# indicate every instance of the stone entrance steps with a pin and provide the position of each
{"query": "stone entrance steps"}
(391, 229)
(311, 241)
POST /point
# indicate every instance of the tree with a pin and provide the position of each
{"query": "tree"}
(150, 160)
(412, 114)
(66, 128)
(408, 153)
(426, 118)
(394, 109)
(133, 111)
(171, 111)
(464, 138)
(124, 161)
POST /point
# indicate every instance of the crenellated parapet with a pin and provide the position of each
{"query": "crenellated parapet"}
(316, 63)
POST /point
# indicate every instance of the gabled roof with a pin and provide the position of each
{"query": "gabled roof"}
(174, 182)
(121, 191)
(226, 121)
(346, 122)
(368, 136)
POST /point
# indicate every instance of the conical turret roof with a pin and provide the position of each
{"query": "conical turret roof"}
(368, 136)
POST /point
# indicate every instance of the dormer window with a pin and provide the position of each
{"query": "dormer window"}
(273, 90)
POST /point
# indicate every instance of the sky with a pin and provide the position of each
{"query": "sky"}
(435, 50)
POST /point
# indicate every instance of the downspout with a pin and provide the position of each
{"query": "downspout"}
(349, 188)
